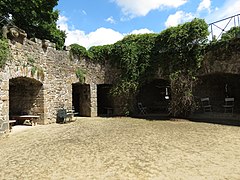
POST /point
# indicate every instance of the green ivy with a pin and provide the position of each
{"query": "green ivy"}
(181, 51)
(80, 75)
(78, 50)
(30, 60)
(176, 51)
(4, 52)
(234, 32)
(33, 70)
(100, 54)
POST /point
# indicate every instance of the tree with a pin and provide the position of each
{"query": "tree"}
(36, 17)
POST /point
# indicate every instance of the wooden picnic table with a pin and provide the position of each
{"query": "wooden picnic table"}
(32, 118)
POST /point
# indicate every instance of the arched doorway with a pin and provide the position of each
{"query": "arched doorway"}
(81, 99)
(155, 96)
(218, 87)
(26, 97)
(104, 100)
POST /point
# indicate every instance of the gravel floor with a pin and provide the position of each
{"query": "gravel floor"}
(122, 148)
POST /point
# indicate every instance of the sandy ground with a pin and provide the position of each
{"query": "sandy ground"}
(122, 148)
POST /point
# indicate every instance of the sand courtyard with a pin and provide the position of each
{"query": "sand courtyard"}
(122, 148)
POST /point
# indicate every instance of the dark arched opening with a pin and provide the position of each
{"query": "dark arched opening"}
(81, 99)
(218, 87)
(155, 96)
(104, 100)
(26, 97)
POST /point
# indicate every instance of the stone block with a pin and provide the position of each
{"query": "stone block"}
(4, 98)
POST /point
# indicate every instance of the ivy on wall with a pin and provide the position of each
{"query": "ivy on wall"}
(80, 73)
(4, 52)
(100, 54)
(177, 51)
(78, 50)
(181, 51)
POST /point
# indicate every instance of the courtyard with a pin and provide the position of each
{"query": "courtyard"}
(122, 148)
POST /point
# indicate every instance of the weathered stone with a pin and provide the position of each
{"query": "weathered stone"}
(48, 79)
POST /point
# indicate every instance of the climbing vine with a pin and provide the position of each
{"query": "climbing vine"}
(79, 51)
(100, 54)
(181, 51)
(4, 52)
(132, 56)
(80, 75)
(177, 51)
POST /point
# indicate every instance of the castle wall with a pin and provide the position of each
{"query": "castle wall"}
(56, 71)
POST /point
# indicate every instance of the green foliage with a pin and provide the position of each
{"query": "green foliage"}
(234, 32)
(78, 50)
(80, 75)
(4, 52)
(100, 53)
(181, 48)
(228, 43)
(181, 51)
(178, 51)
(31, 60)
(133, 56)
(33, 70)
(37, 17)
(182, 103)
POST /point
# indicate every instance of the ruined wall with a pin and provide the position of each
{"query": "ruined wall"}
(219, 75)
(222, 58)
(55, 70)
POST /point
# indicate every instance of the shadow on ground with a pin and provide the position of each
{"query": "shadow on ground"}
(214, 118)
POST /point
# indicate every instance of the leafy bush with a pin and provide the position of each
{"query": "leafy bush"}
(100, 53)
(231, 34)
(78, 50)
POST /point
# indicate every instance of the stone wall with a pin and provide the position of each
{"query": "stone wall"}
(219, 76)
(55, 71)
(223, 58)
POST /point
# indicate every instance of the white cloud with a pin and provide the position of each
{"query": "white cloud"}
(101, 36)
(143, 7)
(141, 31)
(178, 18)
(62, 23)
(230, 8)
(110, 20)
(205, 4)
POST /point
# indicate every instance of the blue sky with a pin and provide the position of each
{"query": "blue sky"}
(102, 22)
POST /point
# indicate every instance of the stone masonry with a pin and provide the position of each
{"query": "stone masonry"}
(52, 74)
(55, 71)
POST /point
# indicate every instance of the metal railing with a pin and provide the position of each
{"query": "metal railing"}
(217, 28)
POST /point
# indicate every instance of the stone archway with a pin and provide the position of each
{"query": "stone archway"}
(217, 87)
(26, 97)
(155, 95)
